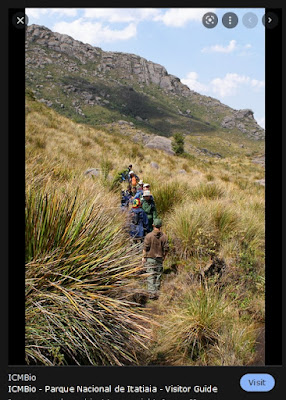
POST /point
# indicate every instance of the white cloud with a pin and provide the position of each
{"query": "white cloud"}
(257, 84)
(228, 85)
(221, 49)
(120, 14)
(261, 122)
(222, 87)
(192, 82)
(231, 47)
(61, 12)
(179, 17)
(94, 33)
(36, 12)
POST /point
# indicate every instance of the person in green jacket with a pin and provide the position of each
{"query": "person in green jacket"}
(148, 205)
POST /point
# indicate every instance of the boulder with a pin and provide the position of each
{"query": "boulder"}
(92, 171)
(161, 143)
(154, 165)
(196, 172)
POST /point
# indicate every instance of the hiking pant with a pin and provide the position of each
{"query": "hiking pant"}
(154, 267)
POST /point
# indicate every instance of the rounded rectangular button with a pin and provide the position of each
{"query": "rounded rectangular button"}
(257, 382)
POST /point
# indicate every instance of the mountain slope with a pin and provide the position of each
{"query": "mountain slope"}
(97, 87)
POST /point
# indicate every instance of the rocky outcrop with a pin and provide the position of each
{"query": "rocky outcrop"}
(126, 65)
(73, 77)
(209, 153)
(244, 121)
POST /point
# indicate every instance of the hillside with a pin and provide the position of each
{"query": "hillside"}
(85, 298)
(95, 87)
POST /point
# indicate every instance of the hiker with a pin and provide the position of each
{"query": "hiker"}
(139, 221)
(146, 186)
(139, 193)
(133, 178)
(125, 199)
(148, 205)
(140, 184)
(133, 192)
(122, 175)
(155, 248)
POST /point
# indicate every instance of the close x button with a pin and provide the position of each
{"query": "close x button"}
(20, 20)
(257, 382)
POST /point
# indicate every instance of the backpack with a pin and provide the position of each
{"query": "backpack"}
(124, 175)
(135, 218)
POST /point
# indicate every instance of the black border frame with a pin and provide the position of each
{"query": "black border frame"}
(16, 228)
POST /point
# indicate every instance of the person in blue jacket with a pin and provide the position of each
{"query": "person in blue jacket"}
(138, 221)
(139, 192)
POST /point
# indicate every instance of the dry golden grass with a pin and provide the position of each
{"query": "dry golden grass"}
(214, 209)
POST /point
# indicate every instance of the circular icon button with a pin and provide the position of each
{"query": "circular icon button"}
(250, 20)
(210, 20)
(270, 20)
(20, 20)
(230, 20)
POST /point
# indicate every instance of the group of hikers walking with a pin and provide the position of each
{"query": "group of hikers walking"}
(144, 227)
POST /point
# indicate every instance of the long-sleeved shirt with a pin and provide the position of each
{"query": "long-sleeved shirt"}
(155, 245)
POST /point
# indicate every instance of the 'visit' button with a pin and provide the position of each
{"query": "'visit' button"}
(257, 382)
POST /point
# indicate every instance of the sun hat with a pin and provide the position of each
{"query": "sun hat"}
(131, 172)
(140, 182)
(146, 185)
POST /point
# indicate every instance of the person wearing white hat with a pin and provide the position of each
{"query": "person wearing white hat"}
(148, 205)
(133, 178)
(139, 193)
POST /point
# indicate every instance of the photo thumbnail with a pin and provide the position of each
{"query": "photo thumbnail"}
(145, 186)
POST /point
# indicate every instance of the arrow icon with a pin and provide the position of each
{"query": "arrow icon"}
(270, 20)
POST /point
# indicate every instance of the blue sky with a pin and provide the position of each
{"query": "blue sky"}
(227, 64)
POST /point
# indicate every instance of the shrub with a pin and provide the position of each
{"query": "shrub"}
(78, 268)
(167, 195)
(192, 230)
(178, 143)
(207, 191)
(202, 328)
(191, 325)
